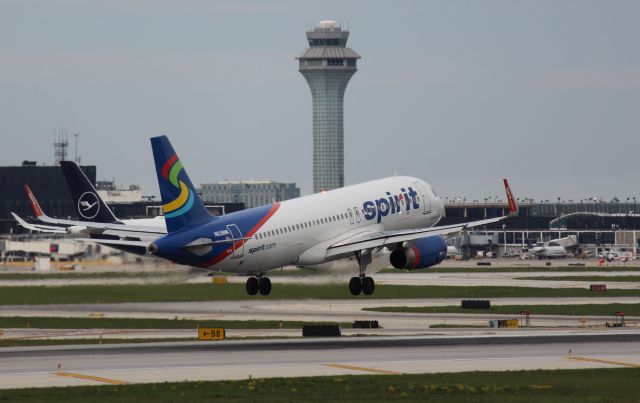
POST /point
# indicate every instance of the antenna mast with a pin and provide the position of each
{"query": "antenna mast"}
(60, 144)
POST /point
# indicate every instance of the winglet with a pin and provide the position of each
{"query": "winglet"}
(20, 221)
(34, 202)
(513, 206)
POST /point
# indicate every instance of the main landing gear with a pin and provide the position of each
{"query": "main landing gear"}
(258, 284)
(362, 283)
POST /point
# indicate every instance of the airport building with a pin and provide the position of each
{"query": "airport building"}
(328, 65)
(47, 184)
(251, 193)
(597, 226)
(50, 188)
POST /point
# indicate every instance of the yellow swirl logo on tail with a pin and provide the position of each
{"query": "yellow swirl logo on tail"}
(184, 201)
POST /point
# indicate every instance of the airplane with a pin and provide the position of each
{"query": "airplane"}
(396, 213)
(555, 248)
(95, 218)
(550, 250)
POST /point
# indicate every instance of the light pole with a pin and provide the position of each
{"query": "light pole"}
(504, 235)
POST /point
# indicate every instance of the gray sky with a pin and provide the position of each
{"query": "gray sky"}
(459, 93)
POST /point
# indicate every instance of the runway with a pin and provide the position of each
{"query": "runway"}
(159, 362)
(320, 310)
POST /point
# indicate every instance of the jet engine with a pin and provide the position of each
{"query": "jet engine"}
(419, 253)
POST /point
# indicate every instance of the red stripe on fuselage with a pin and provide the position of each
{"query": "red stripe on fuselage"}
(416, 252)
(167, 166)
(228, 251)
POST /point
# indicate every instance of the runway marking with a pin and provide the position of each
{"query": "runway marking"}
(91, 378)
(624, 364)
(374, 370)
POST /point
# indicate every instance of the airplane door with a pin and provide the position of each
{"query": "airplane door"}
(425, 200)
(238, 246)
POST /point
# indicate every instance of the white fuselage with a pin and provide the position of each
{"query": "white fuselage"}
(549, 251)
(156, 222)
(301, 229)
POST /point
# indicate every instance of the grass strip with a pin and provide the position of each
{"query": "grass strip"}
(593, 385)
(95, 275)
(303, 272)
(577, 310)
(89, 294)
(593, 279)
(518, 269)
(95, 340)
(25, 322)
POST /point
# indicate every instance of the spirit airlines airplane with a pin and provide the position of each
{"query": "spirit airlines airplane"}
(397, 213)
(95, 218)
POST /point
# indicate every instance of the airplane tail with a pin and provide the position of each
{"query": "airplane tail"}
(89, 204)
(513, 206)
(181, 204)
(35, 206)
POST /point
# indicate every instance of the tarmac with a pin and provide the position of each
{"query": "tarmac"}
(226, 360)
(405, 343)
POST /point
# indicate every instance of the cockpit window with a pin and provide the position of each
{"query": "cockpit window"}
(434, 192)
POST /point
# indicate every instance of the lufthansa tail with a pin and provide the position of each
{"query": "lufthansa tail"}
(88, 203)
(181, 204)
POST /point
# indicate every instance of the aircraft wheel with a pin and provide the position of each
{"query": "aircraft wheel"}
(355, 286)
(265, 286)
(368, 286)
(252, 286)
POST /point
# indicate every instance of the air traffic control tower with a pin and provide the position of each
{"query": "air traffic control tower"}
(327, 65)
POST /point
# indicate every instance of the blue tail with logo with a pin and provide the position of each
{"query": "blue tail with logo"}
(88, 203)
(181, 204)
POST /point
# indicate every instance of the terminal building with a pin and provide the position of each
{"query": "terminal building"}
(597, 226)
(251, 193)
(49, 186)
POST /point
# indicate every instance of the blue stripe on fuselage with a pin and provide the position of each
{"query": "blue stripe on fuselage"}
(171, 245)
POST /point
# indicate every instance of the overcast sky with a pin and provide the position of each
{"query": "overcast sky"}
(459, 93)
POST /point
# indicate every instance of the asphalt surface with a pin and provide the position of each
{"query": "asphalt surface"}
(158, 362)
(321, 310)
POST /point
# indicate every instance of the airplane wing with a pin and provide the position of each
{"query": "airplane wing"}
(135, 247)
(39, 228)
(115, 228)
(377, 239)
(116, 242)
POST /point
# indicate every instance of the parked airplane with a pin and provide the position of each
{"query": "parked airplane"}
(397, 213)
(555, 248)
(550, 250)
(95, 218)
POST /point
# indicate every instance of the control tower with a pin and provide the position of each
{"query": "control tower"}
(327, 65)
